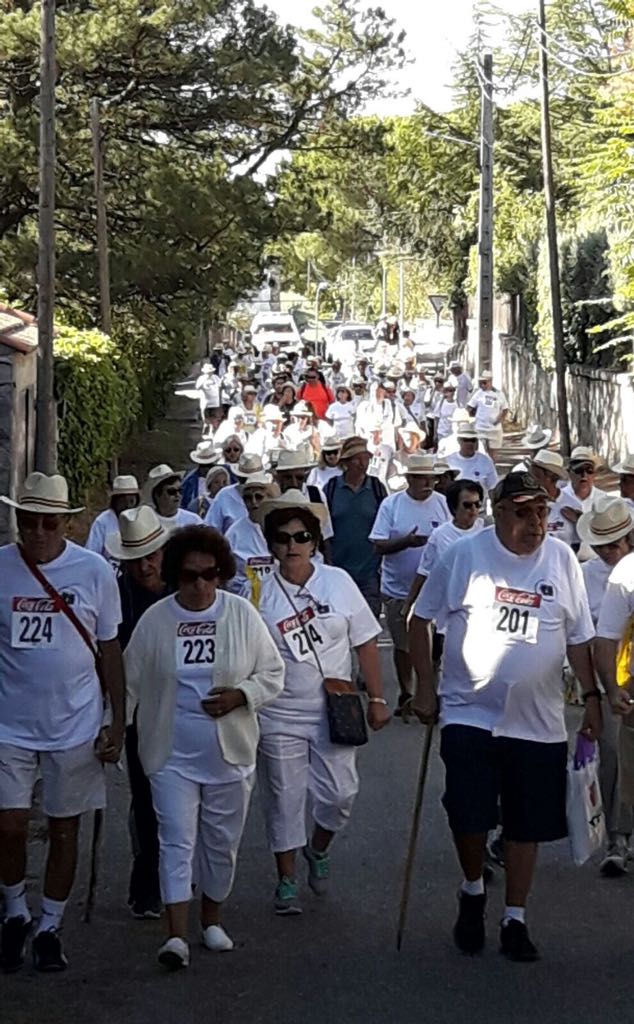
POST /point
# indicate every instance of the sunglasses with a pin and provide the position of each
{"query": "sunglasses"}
(311, 378)
(233, 448)
(30, 521)
(191, 576)
(300, 537)
(583, 470)
(331, 454)
(173, 491)
(471, 504)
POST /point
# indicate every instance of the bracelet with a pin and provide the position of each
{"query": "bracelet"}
(377, 700)
(591, 693)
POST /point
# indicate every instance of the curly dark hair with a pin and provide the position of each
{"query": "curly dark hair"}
(455, 489)
(196, 538)
(279, 518)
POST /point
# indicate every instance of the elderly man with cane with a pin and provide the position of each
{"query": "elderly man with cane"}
(511, 602)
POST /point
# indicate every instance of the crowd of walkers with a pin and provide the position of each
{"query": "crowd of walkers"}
(220, 628)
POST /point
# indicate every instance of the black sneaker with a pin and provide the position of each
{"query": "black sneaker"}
(468, 930)
(515, 943)
(48, 953)
(146, 910)
(15, 932)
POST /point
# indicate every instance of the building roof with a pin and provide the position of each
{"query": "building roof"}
(18, 330)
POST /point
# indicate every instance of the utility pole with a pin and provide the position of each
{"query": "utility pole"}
(401, 293)
(46, 425)
(383, 289)
(551, 231)
(353, 300)
(485, 233)
(102, 224)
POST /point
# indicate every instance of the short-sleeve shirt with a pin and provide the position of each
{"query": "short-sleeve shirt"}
(479, 467)
(507, 620)
(253, 558)
(441, 539)
(596, 574)
(334, 618)
(618, 601)
(488, 406)
(226, 508)
(50, 698)
(397, 516)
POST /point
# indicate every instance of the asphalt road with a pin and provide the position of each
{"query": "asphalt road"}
(338, 961)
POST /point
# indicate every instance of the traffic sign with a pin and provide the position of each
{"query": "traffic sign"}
(438, 302)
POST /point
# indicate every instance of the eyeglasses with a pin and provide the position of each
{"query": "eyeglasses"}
(300, 537)
(583, 470)
(31, 521)
(331, 455)
(173, 491)
(471, 504)
(191, 576)
(312, 377)
(233, 448)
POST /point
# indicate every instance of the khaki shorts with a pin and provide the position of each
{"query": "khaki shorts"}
(494, 436)
(73, 781)
(396, 624)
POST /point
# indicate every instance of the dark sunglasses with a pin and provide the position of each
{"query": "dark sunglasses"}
(300, 537)
(233, 448)
(471, 504)
(588, 470)
(173, 491)
(30, 521)
(331, 453)
(191, 576)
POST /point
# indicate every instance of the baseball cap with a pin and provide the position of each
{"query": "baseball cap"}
(518, 487)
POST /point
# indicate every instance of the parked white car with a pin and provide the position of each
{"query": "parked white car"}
(346, 341)
(279, 328)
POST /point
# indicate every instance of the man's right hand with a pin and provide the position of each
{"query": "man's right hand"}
(425, 704)
(415, 540)
(621, 701)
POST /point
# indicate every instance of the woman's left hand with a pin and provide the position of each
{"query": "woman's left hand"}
(222, 701)
(377, 716)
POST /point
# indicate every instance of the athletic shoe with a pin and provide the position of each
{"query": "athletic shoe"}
(48, 953)
(286, 897)
(15, 932)
(318, 870)
(614, 864)
(468, 932)
(146, 910)
(174, 954)
(515, 943)
(214, 937)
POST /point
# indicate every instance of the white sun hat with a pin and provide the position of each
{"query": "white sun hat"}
(125, 485)
(422, 465)
(582, 453)
(272, 413)
(536, 436)
(140, 534)
(43, 494)
(292, 499)
(608, 520)
(255, 480)
(412, 428)
(206, 454)
(626, 466)
(300, 458)
(156, 476)
(551, 461)
(249, 463)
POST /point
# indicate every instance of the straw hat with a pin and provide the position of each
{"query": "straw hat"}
(125, 485)
(292, 499)
(485, 375)
(300, 458)
(156, 476)
(582, 453)
(421, 465)
(449, 385)
(331, 444)
(536, 436)
(626, 466)
(443, 467)
(552, 462)
(353, 446)
(264, 480)
(609, 520)
(272, 414)
(454, 364)
(301, 409)
(412, 428)
(140, 534)
(206, 454)
(43, 494)
(249, 463)
(466, 430)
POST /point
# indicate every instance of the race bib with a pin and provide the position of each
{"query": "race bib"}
(195, 646)
(556, 526)
(299, 632)
(34, 624)
(515, 614)
(260, 565)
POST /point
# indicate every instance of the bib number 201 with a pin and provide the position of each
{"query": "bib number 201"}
(517, 623)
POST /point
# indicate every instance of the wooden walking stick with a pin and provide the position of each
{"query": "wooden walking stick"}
(413, 835)
(95, 843)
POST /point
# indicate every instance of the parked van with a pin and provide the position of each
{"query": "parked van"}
(267, 328)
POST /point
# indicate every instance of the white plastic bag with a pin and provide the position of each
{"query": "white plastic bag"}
(584, 806)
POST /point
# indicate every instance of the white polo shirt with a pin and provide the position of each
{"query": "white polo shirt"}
(50, 698)
(397, 516)
(507, 620)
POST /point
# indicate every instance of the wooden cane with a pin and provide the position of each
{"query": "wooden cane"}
(413, 835)
(97, 828)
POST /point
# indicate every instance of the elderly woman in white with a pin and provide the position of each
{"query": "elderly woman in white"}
(199, 665)
(254, 561)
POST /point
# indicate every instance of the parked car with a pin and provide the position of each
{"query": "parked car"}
(339, 341)
(272, 327)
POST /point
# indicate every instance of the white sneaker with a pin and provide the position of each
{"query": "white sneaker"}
(174, 954)
(614, 863)
(215, 938)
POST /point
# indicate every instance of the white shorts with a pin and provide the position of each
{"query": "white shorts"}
(493, 435)
(73, 781)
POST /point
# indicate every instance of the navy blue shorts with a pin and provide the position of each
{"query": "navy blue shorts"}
(492, 779)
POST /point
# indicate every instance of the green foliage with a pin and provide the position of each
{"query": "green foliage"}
(98, 400)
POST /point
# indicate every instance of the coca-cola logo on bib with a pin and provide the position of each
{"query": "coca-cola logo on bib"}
(196, 629)
(33, 604)
(525, 598)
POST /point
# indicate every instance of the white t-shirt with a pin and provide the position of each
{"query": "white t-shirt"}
(618, 601)
(327, 531)
(464, 387)
(444, 427)
(488, 406)
(182, 518)
(479, 467)
(397, 516)
(226, 509)
(381, 458)
(507, 620)
(441, 539)
(596, 573)
(342, 416)
(561, 527)
(50, 698)
(105, 523)
(196, 753)
(253, 558)
(319, 477)
(336, 618)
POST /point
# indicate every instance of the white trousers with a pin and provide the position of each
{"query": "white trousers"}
(201, 824)
(300, 770)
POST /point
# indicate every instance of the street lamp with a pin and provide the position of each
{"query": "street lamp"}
(321, 286)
